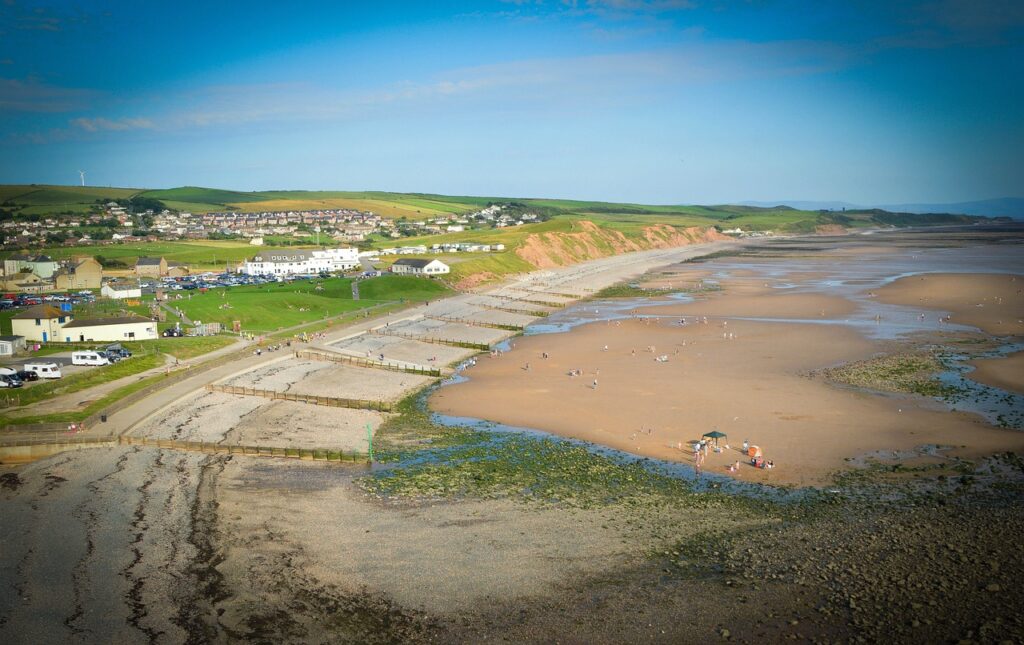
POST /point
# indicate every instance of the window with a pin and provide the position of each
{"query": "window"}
(38, 322)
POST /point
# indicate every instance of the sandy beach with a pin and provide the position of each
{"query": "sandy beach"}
(993, 303)
(753, 386)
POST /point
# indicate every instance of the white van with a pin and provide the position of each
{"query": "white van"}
(44, 370)
(88, 358)
(8, 371)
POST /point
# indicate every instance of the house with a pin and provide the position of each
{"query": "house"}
(79, 273)
(11, 345)
(41, 322)
(42, 265)
(151, 267)
(121, 289)
(109, 329)
(409, 266)
(25, 282)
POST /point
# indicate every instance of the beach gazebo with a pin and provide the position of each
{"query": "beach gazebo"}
(714, 434)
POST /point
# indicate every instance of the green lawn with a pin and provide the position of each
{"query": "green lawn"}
(274, 306)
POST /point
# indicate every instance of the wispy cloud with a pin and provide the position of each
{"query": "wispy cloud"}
(114, 125)
(30, 95)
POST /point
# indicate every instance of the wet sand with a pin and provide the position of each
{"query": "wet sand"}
(1005, 373)
(752, 385)
(993, 303)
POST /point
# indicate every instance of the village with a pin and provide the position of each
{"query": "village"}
(113, 223)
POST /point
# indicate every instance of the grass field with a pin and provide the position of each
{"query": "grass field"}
(271, 307)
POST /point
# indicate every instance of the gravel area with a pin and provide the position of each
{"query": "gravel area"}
(287, 424)
(351, 382)
(279, 376)
(205, 416)
(430, 328)
(402, 350)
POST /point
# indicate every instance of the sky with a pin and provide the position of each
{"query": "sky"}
(646, 101)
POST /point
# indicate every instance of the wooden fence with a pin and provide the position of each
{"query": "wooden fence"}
(21, 450)
(477, 323)
(328, 401)
(434, 340)
(334, 357)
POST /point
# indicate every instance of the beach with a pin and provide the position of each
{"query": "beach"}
(729, 360)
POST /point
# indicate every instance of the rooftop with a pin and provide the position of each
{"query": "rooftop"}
(97, 322)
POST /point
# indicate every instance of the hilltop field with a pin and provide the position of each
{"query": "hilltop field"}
(573, 231)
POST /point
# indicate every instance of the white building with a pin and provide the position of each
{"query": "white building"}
(109, 329)
(419, 267)
(121, 290)
(280, 262)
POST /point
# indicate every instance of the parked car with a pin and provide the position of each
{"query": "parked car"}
(110, 356)
(173, 332)
(27, 376)
(9, 381)
(118, 350)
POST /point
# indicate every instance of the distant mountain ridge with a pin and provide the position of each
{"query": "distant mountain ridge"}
(1001, 207)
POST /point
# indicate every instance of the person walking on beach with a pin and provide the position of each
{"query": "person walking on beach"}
(746, 445)
(595, 384)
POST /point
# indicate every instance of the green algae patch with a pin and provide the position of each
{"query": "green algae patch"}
(901, 373)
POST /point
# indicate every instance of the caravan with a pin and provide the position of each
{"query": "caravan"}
(89, 358)
(44, 370)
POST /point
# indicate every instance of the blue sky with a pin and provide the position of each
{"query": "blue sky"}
(654, 101)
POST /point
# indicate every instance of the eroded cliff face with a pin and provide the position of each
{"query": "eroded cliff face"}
(588, 241)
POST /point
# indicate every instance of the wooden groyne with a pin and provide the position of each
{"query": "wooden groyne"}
(433, 340)
(477, 323)
(335, 357)
(312, 399)
(513, 310)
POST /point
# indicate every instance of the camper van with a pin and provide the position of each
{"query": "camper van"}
(88, 358)
(44, 370)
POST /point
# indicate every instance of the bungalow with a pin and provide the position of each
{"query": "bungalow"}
(410, 266)
(42, 323)
(110, 329)
(121, 289)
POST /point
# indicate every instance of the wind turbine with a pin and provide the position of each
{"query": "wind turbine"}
(82, 174)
